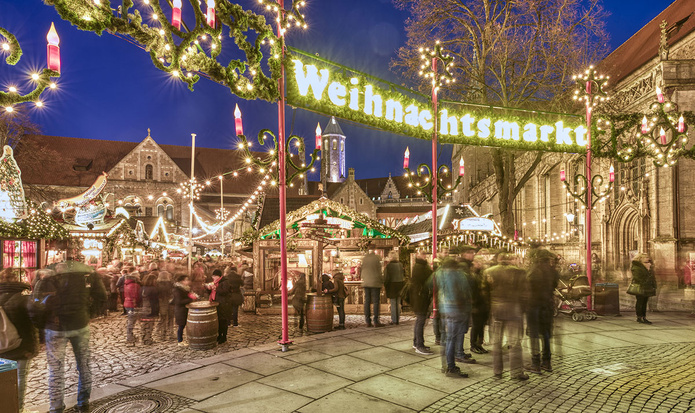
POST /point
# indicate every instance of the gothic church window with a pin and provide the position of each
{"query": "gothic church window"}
(170, 212)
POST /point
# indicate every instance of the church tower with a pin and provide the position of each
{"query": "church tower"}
(333, 153)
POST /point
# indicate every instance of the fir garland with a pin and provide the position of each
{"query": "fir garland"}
(8, 99)
(36, 225)
(183, 60)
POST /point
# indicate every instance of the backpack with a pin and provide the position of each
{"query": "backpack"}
(9, 337)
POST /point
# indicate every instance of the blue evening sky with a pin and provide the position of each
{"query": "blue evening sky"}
(109, 88)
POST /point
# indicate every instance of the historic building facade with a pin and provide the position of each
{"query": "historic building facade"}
(649, 208)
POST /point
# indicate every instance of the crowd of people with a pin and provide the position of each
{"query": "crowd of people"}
(57, 306)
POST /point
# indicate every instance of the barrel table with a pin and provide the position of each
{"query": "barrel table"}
(319, 313)
(201, 325)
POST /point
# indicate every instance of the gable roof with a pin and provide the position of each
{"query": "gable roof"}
(50, 160)
(644, 45)
(373, 187)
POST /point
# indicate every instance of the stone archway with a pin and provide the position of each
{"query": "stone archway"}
(626, 235)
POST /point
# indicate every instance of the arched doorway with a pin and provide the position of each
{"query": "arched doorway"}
(627, 237)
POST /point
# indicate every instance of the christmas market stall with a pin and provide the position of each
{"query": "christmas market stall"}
(25, 228)
(323, 237)
(457, 225)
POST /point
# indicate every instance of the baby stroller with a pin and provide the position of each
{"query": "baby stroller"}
(568, 298)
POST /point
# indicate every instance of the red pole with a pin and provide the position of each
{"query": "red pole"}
(434, 180)
(589, 105)
(285, 341)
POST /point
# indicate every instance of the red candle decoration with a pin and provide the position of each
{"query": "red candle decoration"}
(53, 51)
(611, 174)
(681, 124)
(562, 175)
(462, 169)
(659, 95)
(237, 121)
(176, 15)
(211, 13)
(645, 125)
(318, 136)
(406, 158)
(662, 135)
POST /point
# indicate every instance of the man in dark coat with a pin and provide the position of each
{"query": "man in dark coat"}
(70, 293)
(420, 301)
(222, 293)
(542, 282)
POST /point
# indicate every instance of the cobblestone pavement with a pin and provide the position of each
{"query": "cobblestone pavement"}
(650, 378)
(113, 361)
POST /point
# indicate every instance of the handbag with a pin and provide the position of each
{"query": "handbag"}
(635, 289)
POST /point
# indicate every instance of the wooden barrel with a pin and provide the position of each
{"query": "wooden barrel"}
(319, 313)
(201, 325)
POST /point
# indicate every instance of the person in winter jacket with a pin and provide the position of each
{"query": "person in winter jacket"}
(112, 289)
(454, 301)
(480, 299)
(16, 302)
(182, 295)
(542, 281)
(372, 281)
(221, 292)
(507, 295)
(420, 300)
(394, 280)
(339, 293)
(132, 300)
(150, 307)
(298, 293)
(237, 298)
(165, 327)
(68, 294)
(643, 274)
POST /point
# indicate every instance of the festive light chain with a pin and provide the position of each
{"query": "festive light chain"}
(425, 188)
(426, 69)
(287, 19)
(590, 88)
(184, 57)
(41, 80)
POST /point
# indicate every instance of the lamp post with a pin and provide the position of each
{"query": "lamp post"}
(222, 213)
(190, 206)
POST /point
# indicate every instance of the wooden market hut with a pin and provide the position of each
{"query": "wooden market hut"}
(315, 247)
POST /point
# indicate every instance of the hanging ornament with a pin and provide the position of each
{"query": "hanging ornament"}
(211, 13)
(176, 15)
(318, 136)
(237, 121)
(53, 50)
(645, 125)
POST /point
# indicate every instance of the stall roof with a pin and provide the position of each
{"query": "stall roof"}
(419, 227)
(371, 228)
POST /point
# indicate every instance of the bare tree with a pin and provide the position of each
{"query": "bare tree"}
(516, 54)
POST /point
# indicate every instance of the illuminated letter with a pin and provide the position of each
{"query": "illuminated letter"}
(354, 95)
(530, 134)
(310, 79)
(580, 131)
(394, 111)
(425, 118)
(506, 130)
(411, 115)
(371, 99)
(466, 125)
(546, 130)
(449, 124)
(562, 134)
(484, 128)
(336, 93)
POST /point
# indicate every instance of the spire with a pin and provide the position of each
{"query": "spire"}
(333, 128)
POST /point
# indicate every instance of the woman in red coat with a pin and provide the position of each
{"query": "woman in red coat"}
(132, 300)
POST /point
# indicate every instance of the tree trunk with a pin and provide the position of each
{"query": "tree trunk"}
(505, 178)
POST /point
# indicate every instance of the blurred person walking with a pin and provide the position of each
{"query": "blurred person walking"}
(68, 294)
(542, 279)
(133, 300)
(150, 307)
(298, 293)
(480, 297)
(165, 327)
(420, 299)
(454, 301)
(182, 296)
(507, 290)
(221, 292)
(236, 298)
(394, 280)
